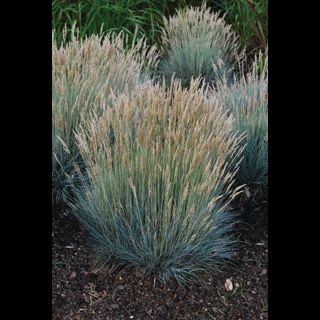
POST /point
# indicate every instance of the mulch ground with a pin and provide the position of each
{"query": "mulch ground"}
(81, 291)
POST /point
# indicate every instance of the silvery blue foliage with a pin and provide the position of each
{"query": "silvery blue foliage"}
(197, 42)
(247, 99)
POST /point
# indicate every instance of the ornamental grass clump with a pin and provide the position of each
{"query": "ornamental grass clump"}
(247, 99)
(85, 72)
(160, 172)
(193, 41)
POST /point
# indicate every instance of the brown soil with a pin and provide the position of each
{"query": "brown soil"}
(82, 291)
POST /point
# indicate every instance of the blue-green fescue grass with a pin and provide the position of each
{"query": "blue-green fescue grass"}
(160, 173)
(247, 99)
(85, 73)
(193, 41)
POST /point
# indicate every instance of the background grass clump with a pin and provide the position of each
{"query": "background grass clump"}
(193, 41)
(144, 18)
(160, 172)
(136, 18)
(247, 99)
(85, 74)
(249, 19)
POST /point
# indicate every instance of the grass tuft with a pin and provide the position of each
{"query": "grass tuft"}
(193, 41)
(86, 73)
(160, 173)
(247, 99)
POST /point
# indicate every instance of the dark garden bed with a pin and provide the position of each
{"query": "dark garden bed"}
(82, 291)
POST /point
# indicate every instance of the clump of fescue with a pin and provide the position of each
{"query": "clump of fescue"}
(160, 171)
(247, 99)
(193, 41)
(84, 74)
